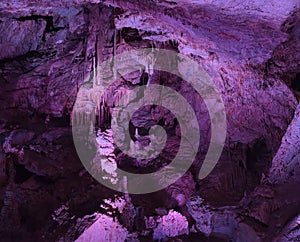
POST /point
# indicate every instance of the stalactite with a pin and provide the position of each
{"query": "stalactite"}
(97, 111)
(114, 54)
(77, 117)
(96, 60)
(106, 113)
(102, 113)
(115, 42)
(84, 118)
(81, 119)
(94, 68)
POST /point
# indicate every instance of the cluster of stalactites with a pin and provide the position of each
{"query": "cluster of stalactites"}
(102, 111)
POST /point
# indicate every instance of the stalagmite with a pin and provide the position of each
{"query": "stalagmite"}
(132, 146)
(136, 133)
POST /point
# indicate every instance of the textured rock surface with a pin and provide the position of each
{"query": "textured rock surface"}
(170, 225)
(104, 229)
(286, 161)
(251, 50)
(224, 222)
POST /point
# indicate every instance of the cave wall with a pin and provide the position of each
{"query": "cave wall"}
(249, 49)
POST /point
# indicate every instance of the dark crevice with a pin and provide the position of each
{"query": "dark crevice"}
(144, 79)
(22, 174)
(49, 23)
(130, 35)
(295, 84)
(35, 18)
(172, 3)
(22, 64)
(132, 131)
(258, 162)
(31, 54)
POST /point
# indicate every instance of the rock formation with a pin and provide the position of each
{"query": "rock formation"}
(49, 50)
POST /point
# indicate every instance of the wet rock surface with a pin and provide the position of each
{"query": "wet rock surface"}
(250, 50)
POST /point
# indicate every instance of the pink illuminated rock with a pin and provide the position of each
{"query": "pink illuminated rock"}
(104, 229)
(249, 48)
(170, 225)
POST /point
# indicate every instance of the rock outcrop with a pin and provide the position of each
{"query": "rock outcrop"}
(251, 51)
